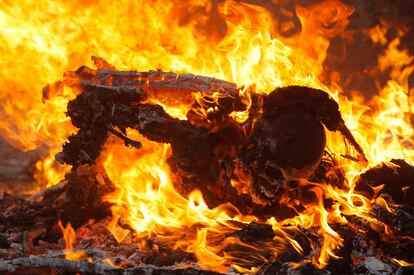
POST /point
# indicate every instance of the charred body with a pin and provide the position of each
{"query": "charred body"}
(282, 140)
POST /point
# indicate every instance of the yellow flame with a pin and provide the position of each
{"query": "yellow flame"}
(69, 236)
(402, 262)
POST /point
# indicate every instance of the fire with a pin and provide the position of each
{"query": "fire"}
(69, 236)
(233, 41)
(402, 262)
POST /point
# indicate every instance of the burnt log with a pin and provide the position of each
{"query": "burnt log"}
(166, 87)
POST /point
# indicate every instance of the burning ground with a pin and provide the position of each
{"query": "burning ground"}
(137, 192)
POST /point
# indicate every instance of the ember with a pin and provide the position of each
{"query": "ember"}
(206, 137)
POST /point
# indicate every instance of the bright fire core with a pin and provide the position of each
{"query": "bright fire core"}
(233, 41)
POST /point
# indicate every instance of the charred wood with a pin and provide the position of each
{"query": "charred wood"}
(48, 265)
(76, 199)
(167, 87)
(399, 220)
(397, 176)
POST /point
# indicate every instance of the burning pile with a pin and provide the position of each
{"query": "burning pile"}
(172, 173)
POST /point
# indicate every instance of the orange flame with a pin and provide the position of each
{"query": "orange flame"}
(69, 236)
(233, 41)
